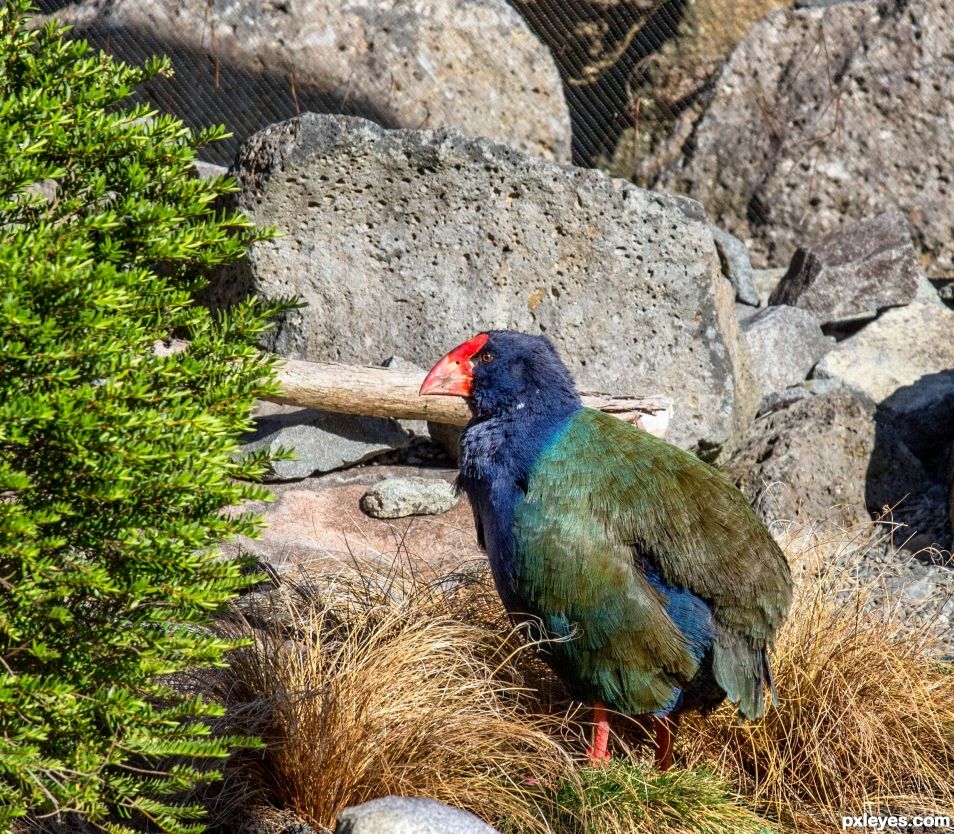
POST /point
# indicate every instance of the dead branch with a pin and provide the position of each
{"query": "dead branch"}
(389, 392)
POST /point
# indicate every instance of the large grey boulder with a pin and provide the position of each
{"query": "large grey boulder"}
(409, 815)
(473, 64)
(864, 266)
(784, 345)
(409, 242)
(823, 115)
(904, 361)
(825, 456)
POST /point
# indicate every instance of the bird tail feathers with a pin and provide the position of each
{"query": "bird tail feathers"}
(742, 669)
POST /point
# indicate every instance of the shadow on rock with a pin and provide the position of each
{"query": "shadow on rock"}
(207, 90)
(909, 466)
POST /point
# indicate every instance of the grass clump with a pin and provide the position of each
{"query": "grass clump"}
(626, 797)
(362, 691)
(866, 714)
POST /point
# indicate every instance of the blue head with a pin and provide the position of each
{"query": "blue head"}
(502, 372)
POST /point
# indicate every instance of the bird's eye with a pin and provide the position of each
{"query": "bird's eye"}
(485, 357)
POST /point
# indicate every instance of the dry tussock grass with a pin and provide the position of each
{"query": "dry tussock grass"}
(367, 686)
(412, 684)
(866, 717)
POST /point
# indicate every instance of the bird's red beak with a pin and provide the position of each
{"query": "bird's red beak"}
(454, 374)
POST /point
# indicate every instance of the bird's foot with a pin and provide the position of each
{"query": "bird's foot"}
(665, 733)
(598, 752)
(597, 758)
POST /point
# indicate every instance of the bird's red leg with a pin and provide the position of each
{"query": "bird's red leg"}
(598, 752)
(665, 733)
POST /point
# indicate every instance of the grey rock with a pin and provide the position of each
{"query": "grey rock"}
(945, 291)
(411, 241)
(743, 312)
(409, 815)
(863, 266)
(927, 293)
(822, 386)
(400, 497)
(914, 592)
(824, 457)
(766, 280)
(904, 361)
(207, 171)
(784, 345)
(807, 388)
(473, 64)
(736, 265)
(778, 400)
(322, 441)
(399, 363)
(826, 115)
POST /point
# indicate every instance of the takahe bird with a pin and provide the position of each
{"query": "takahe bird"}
(662, 581)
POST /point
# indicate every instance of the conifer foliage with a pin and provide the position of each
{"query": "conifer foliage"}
(115, 460)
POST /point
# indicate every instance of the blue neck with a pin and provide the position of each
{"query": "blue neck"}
(497, 454)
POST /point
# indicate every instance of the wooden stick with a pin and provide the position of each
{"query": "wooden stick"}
(390, 392)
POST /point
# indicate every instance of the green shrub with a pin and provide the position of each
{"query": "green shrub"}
(115, 461)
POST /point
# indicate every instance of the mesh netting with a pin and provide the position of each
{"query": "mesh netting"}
(636, 76)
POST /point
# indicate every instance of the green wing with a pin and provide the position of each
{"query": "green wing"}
(604, 491)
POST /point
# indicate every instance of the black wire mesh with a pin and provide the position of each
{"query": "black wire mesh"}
(636, 75)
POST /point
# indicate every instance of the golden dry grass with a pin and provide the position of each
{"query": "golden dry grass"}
(405, 683)
(360, 691)
(866, 716)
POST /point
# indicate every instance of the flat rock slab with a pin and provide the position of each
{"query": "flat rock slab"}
(826, 115)
(895, 351)
(317, 525)
(321, 440)
(473, 64)
(784, 345)
(401, 497)
(736, 265)
(867, 265)
(409, 815)
(409, 242)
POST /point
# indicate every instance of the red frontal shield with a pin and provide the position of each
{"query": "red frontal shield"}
(453, 376)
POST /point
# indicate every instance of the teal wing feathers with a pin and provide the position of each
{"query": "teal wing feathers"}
(602, 496)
